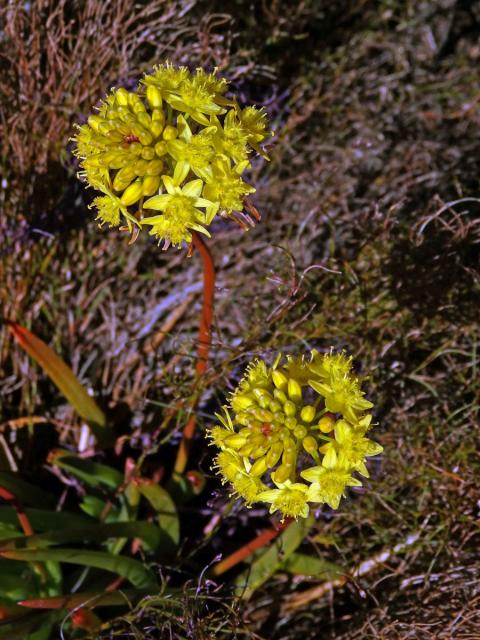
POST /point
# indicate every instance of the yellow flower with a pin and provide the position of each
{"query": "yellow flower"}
(277, 425)
(289, 498)
(254, 122)
(109, 208)
(233, 471)
(179, 207)
(195, 96)
(166, 77)
(343, 395)
(196, 151)
(248, 488)
(329, 480)
(226, 187)
(231, 139)
(330, 365)
(352, 447)
(176, 122)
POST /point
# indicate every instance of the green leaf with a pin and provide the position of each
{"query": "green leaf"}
(131, 569)
(43, 519)
(31, 626)
(25, 492)
(300, 564)
(146, 531)
(269, 561)
(62, 376)
(164, 506)
(17, 581)
(94, 507)
(92, 473)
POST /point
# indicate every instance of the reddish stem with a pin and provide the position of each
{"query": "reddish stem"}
(27, 528)
(204, 341)
(21, 515)
(260, 541)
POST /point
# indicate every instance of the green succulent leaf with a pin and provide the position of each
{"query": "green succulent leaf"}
(146, 531)
(164, 506)
(301, 564)
(25, 492)
(131, 569)
(43, 519)
(267, 562)
(92, 473)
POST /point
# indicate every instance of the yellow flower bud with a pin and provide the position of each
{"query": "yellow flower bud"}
(281, 474)
(170, 133)
(135, 149)
(121, 97)
(326, 424)
(274, 453)
(259, 467)
(290, 408)
(300, 431)
(148, 153)
(279, 380)
(114, 135)
(154, 96)
(158, 115)
(144, 119)
(294, 390)
(161, 148)
(310, 444)
(140, 167)
(307, 414)
(123, 177)
(246, 450)
(151, 184)
(132, 194)
(154, 168)
(236, 441)
(291, 422)
(156, 128)
(133, 100)
(280, 395)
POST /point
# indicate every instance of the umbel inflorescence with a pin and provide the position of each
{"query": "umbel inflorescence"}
(295, 433)
(177, 146)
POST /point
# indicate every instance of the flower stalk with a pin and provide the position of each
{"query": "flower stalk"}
(204, 343)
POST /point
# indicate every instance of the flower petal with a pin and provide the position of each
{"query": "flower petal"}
(159, 203)
(181, 171)
(193, 189)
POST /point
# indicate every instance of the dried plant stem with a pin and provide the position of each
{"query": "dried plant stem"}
(257, 543)
(204, 341)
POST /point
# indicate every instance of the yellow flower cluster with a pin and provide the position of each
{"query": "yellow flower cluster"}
(305, 419)
(175, 145)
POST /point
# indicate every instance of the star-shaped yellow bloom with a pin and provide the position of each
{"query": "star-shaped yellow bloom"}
(290, 498)
(179, 207)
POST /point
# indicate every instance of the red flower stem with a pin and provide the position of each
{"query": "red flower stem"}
(257, 543)
(204, 342)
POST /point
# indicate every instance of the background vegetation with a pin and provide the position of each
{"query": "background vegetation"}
(369, 241)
